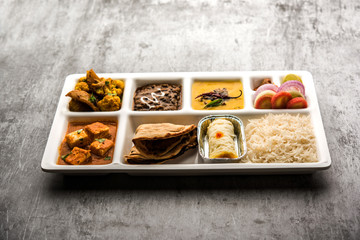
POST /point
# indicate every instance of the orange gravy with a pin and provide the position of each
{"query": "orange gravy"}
(233, 87)
(95, 159)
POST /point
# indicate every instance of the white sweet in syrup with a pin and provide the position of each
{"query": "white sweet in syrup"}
(221, 139)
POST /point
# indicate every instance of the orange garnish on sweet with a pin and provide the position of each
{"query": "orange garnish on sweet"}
(219, 135)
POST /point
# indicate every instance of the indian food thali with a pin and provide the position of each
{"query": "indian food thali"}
(188, 123)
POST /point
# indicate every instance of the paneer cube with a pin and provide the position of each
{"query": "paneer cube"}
(101, 146)
(97, 130)
(78, 138)
(77, 156)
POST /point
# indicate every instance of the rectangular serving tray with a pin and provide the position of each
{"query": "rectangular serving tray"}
(191, 163)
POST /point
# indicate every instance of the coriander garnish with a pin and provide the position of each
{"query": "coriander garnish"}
(92, 98)
(107, 158)
(65, 156)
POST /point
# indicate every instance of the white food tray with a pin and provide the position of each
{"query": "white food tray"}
(191, 162)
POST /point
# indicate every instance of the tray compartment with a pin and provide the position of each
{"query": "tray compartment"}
(71, 82)
(203, 138)
(230, 78)
(142, 81)
(135, 120)
(276, 78)
(86, 118)
(320, 148)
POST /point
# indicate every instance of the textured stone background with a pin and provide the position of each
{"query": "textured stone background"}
(42, 42)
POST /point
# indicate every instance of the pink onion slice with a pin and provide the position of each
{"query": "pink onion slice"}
(265, 87)
(292, 85)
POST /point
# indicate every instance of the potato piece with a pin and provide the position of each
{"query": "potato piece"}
(99, 87)
(92, 78)
(78, 138)
(97, 130)
(83, 97)
(101, 146)
(77, 156)
(76, 106)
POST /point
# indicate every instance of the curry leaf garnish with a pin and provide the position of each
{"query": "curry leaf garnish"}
(92, 98)
(100, 140)
(107, 82)
(214, 103)
(65, 156)
(107, 158)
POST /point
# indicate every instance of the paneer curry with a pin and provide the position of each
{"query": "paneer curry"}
(92, 93)
(88, 143)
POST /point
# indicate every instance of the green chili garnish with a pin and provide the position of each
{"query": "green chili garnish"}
(214, 103)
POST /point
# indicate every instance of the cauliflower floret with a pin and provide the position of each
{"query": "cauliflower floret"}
(108, 87)
(83, 86)
(114, 87)
(117, 87)
(109, 103)
(119, 84)
(114, 91)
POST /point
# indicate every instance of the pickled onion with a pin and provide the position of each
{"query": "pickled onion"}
(265, 87)
(292, 85)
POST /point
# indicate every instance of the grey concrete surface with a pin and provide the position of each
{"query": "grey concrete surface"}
(43, 41)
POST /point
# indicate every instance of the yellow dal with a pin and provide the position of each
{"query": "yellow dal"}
(233, 88)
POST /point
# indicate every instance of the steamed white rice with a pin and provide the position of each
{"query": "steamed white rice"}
(280, 138)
